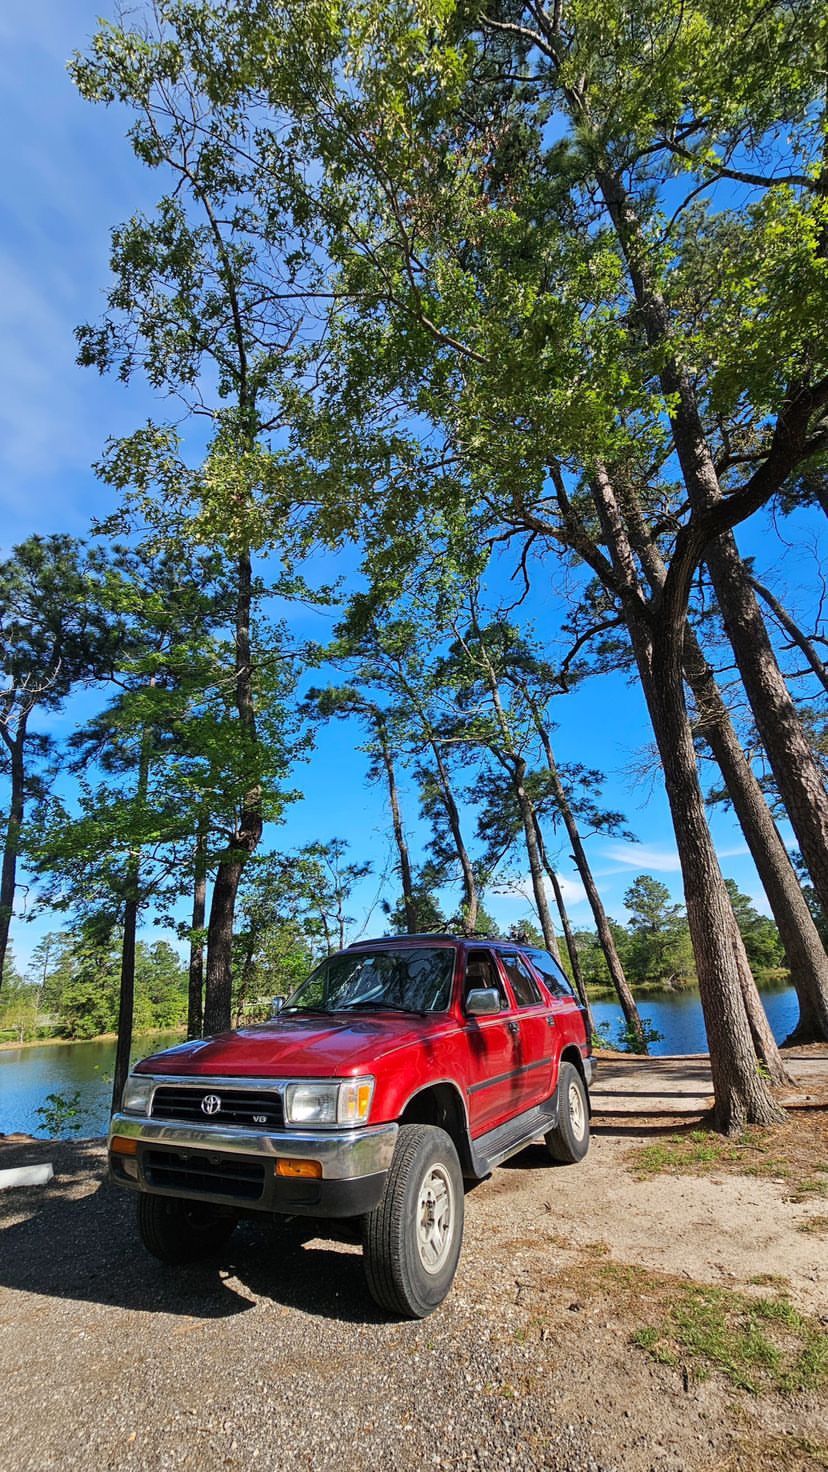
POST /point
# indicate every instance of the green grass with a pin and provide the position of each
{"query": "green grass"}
(678, 1154)
(761, 1153)
(756, 1343)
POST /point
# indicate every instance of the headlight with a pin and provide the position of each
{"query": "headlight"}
(329, 1104)
(137, 1094)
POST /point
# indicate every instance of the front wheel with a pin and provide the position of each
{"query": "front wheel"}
(178, 1231)
(569, 1141)
(412, 1240)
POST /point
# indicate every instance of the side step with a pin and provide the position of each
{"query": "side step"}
(497, 1145)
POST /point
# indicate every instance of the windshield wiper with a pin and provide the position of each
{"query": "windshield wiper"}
(379, 1006)
(320, 1011)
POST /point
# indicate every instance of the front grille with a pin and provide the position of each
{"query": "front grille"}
(252, 1108)
(172, 1170)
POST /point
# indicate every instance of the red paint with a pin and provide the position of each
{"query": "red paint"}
(407, 1053)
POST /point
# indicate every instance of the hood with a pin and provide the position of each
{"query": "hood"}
(298, 1047)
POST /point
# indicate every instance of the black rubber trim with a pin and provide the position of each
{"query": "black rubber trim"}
(284, 1195)
(501, 1078)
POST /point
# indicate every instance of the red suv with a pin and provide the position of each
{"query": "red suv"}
(399, 1069)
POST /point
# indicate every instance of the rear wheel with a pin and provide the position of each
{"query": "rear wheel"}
(412, 1240)
(178, 1231)
(568, 1142)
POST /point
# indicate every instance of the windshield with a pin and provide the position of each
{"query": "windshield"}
(414, 979)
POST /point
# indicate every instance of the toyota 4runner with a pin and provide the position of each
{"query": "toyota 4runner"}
(399, 1070)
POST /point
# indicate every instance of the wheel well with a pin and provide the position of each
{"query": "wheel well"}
(441, 1105)
(571, 1054)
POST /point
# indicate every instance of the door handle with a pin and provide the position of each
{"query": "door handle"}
(513, 1028)
(550, 1022)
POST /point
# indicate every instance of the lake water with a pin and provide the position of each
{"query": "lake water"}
(27, 1075)
(678, 1017)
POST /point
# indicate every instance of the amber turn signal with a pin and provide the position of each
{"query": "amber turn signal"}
(122, 1145)
(286, 1167)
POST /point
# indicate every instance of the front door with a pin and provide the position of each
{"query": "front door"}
(492, 1048)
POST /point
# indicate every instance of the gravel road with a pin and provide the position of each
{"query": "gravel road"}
(276, 1358)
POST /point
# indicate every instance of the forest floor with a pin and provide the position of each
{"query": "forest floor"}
(661, 1307)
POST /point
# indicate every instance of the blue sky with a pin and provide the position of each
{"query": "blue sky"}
(69, 175)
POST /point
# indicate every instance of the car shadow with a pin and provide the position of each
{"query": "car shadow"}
(85, 1247)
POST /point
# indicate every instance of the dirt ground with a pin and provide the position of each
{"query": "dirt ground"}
(551, 1352)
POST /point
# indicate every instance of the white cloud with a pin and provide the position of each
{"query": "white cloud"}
(521, 889)
(642, 858)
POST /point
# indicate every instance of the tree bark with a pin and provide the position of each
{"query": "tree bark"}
(8, 876)
(741, 1096)
(404, 861)
(195, 990)
(790, 754)
(219, 978)
(218, 983)
(792, 629)
(126, 999)
(533, 852)
(804, 951)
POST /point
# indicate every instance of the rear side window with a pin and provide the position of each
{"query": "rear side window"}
(551, 973)
(521, 980)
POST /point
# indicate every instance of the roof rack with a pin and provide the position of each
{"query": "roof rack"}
(432, 935)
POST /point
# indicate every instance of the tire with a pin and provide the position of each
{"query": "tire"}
(411, 1241)
(178, 1231)
(569, 1141)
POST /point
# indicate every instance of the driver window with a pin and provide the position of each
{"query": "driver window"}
(482, 973)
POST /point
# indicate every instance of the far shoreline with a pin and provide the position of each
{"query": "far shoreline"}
(101, 1037)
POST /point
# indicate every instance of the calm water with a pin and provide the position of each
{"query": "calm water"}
(678, 1017)
(27, 1075)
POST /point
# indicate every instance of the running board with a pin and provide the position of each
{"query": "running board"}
(497, 1145)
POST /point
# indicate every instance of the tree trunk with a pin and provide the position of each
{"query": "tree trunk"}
(792, 629)
(218, 982)
(533, 851)
(8, 877)
(804, 951)
(569, 937)
(790, 754)
(195, 990)
(470, 894)
(605, 936)
(795, 767)
(404, 861)
(219, 978)
(126, 1000)
(741, 1096)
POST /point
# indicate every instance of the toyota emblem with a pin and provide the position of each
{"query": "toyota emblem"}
(211, 1104)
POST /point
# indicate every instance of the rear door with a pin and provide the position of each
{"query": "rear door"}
(536, 1042)
(569, 1016)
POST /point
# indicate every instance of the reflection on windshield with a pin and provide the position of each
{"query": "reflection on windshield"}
(415, 980)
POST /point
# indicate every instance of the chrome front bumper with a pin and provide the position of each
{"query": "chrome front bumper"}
(344, 1155)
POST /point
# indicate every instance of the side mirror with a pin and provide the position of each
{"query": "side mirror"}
(276, 1006)
(483, 1001)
